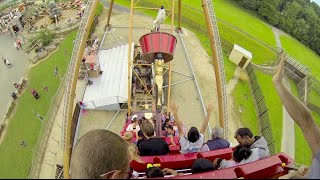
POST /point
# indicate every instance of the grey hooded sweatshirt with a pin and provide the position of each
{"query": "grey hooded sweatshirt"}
(259, 151)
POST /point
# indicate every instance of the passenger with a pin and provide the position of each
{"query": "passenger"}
(195, 139)
(134, 155)
(301, 114)
(166, 124)
(239, 156)
(201, 165)
(100, 154)
(127, 137)
(176, 130)
(156, 172)
(134, 126)
(217, 142)
(258, 145)
(152, 146)
(302, 173)
(141, 137)
(170, 133)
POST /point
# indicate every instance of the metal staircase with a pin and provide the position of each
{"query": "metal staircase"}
(214, 27)
(72, 69)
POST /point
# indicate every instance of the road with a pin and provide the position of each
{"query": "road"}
(9, 76)
(288, 135)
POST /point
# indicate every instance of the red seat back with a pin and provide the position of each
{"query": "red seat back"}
(185, 161)
(265, 168)
(141, 167)
(174, 149)
(220, 153)
(262, 168)
(179, 161)
(175, 140)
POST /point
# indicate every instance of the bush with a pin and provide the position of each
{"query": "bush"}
(45, 37)
(99, 9)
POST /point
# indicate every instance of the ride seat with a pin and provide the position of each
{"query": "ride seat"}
(219, 153)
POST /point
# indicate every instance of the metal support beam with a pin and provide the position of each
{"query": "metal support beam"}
(157, 9)
(182, 73)
(215, 63)
(196, 82)
(73, 73)
(305, 90)
(129, 57)
(117, 38)
(109, 14)
(179, 15)
(169, 82)
(178, 82)
(114, 117)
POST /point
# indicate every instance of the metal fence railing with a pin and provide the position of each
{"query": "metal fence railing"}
(40, 146)
(262, 110)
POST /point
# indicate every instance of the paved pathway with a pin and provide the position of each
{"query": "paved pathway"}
(288, 135)
(8, 76)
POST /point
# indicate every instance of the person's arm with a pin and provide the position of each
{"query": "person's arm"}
(129, 128)
(170, 171)
(174, 109)
(299, 112)
(167, 147)
(206, 119)
(302, 173)
(205, 148)
(172, 141)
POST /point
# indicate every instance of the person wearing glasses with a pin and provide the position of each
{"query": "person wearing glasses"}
(100, 154)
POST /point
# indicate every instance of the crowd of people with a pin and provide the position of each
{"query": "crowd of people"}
(104, 154)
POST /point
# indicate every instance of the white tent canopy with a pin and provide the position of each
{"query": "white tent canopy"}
(111, 88)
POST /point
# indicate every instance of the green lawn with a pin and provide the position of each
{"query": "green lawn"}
(229, 11)
(302, 53)
(314, 98)
(274, 105)
(260, 54)
(24, 125)
(244, 101)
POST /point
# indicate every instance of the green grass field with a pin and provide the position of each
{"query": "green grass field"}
(244, 101)
(24, 125)
(302, 53)
(239, 18)
(274, 105)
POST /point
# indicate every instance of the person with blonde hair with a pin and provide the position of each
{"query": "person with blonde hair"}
(127, 137)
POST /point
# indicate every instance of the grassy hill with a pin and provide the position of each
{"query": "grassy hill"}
(24, 125)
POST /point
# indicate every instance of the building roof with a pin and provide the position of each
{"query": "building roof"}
(243, 51)
(112, 86)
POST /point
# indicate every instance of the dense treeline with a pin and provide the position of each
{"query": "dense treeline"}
(300, 18)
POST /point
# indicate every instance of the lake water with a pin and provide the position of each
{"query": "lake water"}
(8, 76)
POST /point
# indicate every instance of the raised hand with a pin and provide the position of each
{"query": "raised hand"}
(278, 76)
(210, 108)
(174, 107)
